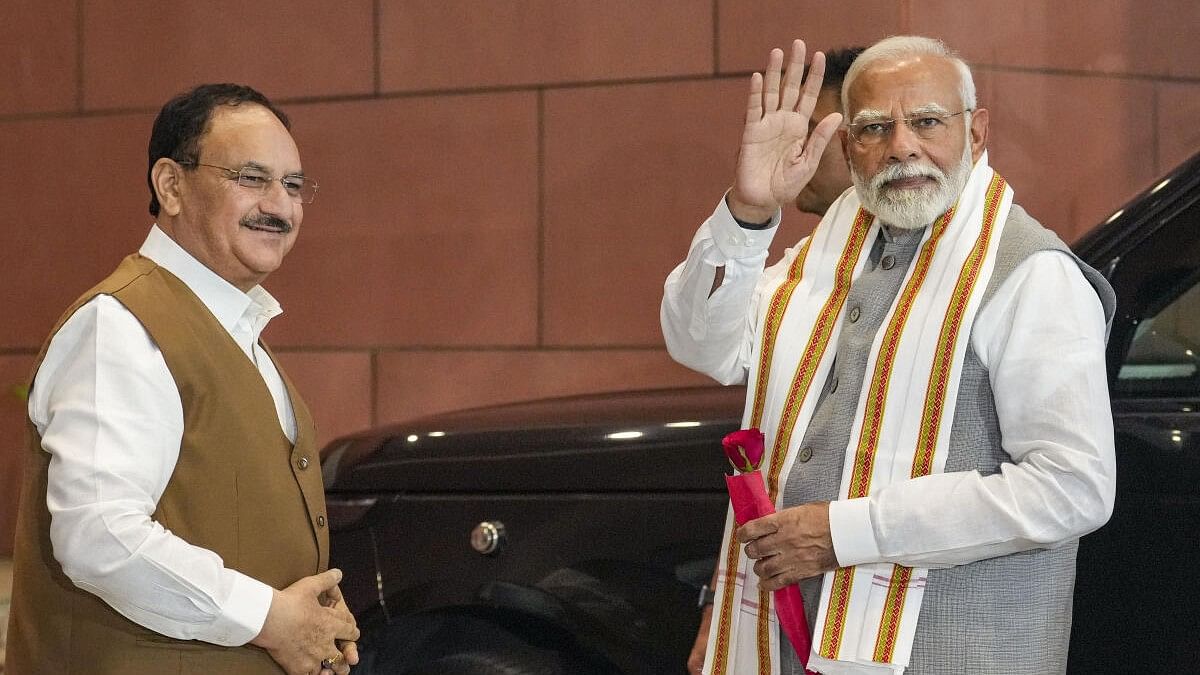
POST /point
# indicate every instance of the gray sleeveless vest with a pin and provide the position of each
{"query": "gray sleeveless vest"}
(1010, 614)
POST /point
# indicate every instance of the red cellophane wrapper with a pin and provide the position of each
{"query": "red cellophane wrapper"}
(748, 494)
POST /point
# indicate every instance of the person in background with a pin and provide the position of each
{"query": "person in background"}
(832, 177)
(928, 370)
(172, 514)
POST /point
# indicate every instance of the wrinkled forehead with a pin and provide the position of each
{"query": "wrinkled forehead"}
(249, 134)
(901, 86)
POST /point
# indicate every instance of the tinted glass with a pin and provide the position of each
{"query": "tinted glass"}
(1163, 356)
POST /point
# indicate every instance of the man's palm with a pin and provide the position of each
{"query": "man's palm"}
(778, 156)
(771, 166)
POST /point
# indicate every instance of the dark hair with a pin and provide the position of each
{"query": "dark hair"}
(837, 64)
(184, 119)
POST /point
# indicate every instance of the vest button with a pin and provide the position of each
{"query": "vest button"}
(805, 455)
(888, 262)
(855, 312)
(320, 521)
(302, 463)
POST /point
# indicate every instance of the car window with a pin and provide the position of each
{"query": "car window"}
(1164, 356)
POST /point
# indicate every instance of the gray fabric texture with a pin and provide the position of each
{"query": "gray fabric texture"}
(1010, 614)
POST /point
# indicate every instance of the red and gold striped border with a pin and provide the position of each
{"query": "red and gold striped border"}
(893, 609)
(800, 383)
(815, 349)
(864, 458)
(931, 418)
(802, 380)
(771, 324)
(935, 399)
(835, 618)
(939, 375)
(721, 655)
(868, 439)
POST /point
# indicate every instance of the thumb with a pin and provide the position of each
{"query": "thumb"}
(319, 583)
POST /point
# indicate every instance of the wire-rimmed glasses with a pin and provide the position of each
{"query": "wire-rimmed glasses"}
(926, 125)
(300, 188)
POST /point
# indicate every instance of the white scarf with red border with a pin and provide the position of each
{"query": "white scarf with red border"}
(868, 613)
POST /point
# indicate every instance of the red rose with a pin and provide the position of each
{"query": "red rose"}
(744, 449)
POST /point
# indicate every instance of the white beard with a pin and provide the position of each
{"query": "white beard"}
(912, 209)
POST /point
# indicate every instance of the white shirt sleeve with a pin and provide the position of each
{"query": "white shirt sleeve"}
(712, 334)
(110, 416)
(1041, 337)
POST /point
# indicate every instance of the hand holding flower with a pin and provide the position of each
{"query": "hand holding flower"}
(752, 511)
(789, 546)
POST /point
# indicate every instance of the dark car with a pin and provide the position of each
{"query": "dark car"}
(574, 535)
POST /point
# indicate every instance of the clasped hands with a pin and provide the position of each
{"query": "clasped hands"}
(789, 545)
(307, 624)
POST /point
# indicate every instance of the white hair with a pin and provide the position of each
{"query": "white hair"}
(900, 46)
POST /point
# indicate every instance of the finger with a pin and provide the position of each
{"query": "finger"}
(754, 111)
(350, 652)
(321, 583)
(760, 570)
(784, 579)
(793, 77)
(346, 630)
(770, 584)
(812, 84)
(751, 551)
(771, 94)
(770, 578)
(820, 137)
(333, 597)
(757, 528)
(763, 547)
(773, 564)
(772, 573)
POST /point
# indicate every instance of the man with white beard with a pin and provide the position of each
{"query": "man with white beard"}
(928, 370)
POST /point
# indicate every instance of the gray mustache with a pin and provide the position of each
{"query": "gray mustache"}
(899, 171)
(266, 221)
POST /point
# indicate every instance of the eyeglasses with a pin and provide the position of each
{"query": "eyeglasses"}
(926, 126)
(301, 189)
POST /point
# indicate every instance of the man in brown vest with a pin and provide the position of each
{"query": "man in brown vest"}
(172, 515)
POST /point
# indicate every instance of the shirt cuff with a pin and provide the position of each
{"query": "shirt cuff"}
(852, 532)
(736, 242)
(243, 616)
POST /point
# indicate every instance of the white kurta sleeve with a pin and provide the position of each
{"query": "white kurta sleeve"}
(111, 418)
(1041, 337)
(711, 333)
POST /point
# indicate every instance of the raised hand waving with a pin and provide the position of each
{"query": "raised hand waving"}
(777, 156)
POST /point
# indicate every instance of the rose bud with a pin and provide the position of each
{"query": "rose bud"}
(744, 449)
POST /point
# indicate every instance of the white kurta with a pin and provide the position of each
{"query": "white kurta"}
(1051, 400)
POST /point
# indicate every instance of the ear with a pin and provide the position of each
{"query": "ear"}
(166, 176)
(979, 133)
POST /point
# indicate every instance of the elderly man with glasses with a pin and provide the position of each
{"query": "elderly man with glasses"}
(928, 370)
(172, 515)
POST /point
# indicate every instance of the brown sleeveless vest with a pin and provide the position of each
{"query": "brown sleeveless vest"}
(239, 489)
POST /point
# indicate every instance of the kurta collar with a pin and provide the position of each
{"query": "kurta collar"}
(226, 302)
